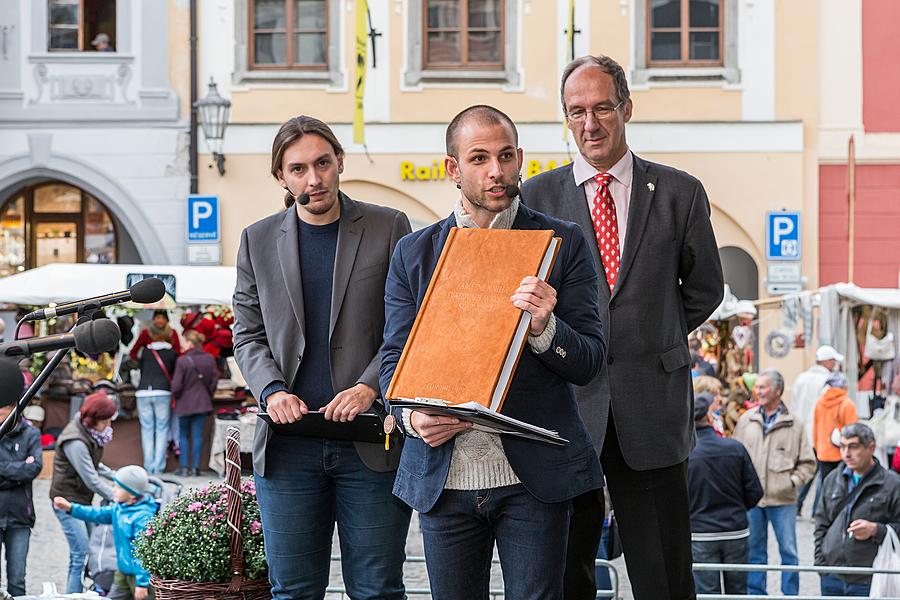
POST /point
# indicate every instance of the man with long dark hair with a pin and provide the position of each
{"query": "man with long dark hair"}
(309, 316)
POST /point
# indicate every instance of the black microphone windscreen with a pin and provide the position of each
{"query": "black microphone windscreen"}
(148, 291)
(93, 337)
(303, 199)
(12, 384)
(512, 191)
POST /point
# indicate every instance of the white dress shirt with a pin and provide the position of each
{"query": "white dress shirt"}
(619, 187)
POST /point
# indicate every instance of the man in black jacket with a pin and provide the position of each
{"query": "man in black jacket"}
(859, 501)
(723, 486)
(20, 463)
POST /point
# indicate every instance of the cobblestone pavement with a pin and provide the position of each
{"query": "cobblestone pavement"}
(48, 555)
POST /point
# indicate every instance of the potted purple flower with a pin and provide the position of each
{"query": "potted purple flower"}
(187, 547)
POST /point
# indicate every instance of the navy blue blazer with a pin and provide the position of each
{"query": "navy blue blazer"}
(541, 391)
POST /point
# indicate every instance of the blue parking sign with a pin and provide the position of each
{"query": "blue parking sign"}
(783, 235)
(202, 218)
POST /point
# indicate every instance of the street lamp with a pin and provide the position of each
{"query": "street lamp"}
(213, 114)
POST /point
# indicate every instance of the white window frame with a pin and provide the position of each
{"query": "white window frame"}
(416, 75)
(333, 76)
(642, 75)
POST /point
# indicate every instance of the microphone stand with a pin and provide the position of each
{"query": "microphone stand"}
(9, 424)
(32, 390)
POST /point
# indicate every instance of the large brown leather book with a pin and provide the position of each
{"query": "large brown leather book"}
(467, 337)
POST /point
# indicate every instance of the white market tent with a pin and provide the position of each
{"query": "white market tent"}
(732, 305)
(837, 326)
(883, 297)
(64, 282)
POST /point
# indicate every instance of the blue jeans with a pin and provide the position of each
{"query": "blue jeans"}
(730, 552)
(309, 485)
(154, 412)
(832, 585)
(784, 523)
(15, 547)
(459, 534)
(78, 535)
(195, 426)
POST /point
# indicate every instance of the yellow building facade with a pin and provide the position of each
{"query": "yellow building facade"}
(729, 94)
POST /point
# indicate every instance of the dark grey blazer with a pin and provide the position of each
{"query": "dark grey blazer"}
(669, 282)
(269, 316)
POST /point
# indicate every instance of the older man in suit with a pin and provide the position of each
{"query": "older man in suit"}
(660, 277)
(471, 487)
(309, 316)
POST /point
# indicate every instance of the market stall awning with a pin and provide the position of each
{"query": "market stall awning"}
(732, 305)
(883, 297)
(69, 282)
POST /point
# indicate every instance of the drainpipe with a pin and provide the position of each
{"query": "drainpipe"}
(193, 148)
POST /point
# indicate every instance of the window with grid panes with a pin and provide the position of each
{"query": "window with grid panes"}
(75, 24)
(463, 34)
(684, 33)
(289, 34)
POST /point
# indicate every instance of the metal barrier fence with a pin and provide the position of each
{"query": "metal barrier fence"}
(613, 593)
(494, 593)
(787, 569)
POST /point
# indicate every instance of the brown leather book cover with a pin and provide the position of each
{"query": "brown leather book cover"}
(463, 333)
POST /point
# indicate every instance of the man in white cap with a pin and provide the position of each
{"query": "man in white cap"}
(806, 390)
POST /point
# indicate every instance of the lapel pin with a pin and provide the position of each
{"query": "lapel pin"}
(650, 186)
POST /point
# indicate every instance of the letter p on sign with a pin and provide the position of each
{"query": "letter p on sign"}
(782, 227)
(202, 210)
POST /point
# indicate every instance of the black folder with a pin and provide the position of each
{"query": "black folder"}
(485, 419)
(366, 427)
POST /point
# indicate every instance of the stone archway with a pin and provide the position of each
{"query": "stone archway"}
(369, 191)
(741, 272)
(26, 169)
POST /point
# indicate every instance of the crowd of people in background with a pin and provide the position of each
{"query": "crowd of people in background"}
(763, 473)
(177, 377)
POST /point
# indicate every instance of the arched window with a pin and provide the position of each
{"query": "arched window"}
(54, 222)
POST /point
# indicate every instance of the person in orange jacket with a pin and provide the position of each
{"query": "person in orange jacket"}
(834, 409)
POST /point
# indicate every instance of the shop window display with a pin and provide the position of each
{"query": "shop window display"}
(55, 222)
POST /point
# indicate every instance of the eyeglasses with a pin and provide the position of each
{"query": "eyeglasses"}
(600, 112)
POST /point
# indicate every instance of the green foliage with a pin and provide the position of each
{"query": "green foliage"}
(188, 539)
(37, 363)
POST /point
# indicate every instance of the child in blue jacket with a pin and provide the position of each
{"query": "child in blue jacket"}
(129, 514)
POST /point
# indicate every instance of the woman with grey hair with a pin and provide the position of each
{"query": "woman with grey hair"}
(834, 409)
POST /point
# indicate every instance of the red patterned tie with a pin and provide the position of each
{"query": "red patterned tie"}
(606, 227)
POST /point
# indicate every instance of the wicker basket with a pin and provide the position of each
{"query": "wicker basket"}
(239, 588)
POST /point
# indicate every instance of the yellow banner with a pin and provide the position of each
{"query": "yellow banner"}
(570, 52)
(359, 131)
(570, 45)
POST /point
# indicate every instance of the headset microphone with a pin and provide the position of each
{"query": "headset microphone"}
(302, 199)
(512, 191)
